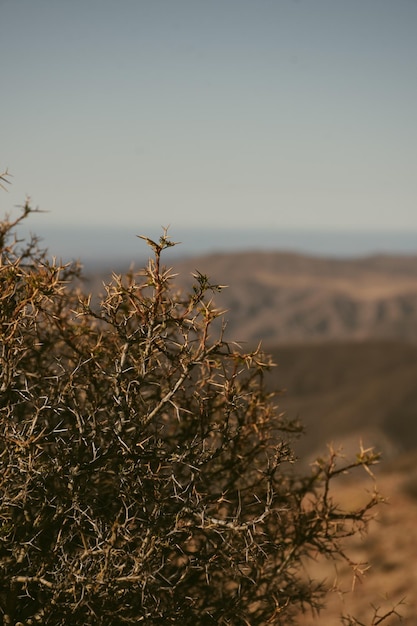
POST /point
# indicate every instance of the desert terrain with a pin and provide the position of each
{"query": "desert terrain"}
(346, 395)
(285, 298)
(343, 333)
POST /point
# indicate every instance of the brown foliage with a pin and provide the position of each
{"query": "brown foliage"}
(146, 475)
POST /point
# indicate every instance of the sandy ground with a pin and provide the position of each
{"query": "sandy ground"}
(390, 548)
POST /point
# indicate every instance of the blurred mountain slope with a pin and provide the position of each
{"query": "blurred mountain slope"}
(282, 297)
(347, 391)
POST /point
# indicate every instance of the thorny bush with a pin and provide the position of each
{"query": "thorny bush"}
(146, 475)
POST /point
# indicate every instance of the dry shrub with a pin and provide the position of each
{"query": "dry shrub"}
(146, 475)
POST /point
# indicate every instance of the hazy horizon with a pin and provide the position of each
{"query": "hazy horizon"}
(104, 245)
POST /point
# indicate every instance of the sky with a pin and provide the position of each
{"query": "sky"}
(220, 114)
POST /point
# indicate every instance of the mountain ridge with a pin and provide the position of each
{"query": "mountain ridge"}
(289, 297)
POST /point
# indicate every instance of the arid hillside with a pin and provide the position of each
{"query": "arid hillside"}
(348, 394)
(343, 334)
(389, 549)
(285, 298)
(344, 391)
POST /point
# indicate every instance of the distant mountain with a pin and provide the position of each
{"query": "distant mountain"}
(285, 298)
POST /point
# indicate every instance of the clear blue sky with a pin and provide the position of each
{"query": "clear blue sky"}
(262, 113)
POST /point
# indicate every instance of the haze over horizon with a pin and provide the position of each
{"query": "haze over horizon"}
(275, 116)
(109, 248)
